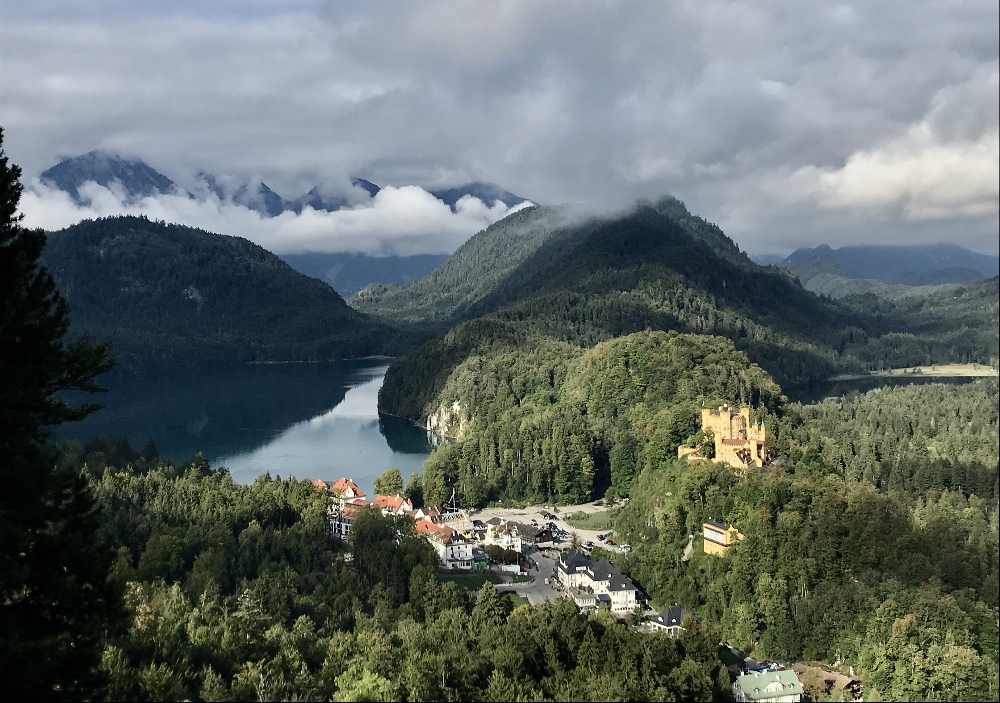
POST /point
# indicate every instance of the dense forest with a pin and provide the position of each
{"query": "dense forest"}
(158, 292)
(873, 541)
(234, 592)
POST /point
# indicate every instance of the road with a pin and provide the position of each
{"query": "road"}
(536, 590)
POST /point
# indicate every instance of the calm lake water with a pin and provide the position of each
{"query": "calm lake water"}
(304, 420)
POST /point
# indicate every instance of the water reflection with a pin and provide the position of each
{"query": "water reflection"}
(315, 421)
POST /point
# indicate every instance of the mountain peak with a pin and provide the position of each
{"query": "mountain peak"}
(489, 193)
(137, 178)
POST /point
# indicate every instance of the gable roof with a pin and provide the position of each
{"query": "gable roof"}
(392, 502)
(671, 617)
(573, 559)
(430, 529)
(343, 485)
(768, 684)
(601, 569)
(620, 582)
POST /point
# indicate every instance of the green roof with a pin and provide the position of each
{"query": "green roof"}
(765, 684)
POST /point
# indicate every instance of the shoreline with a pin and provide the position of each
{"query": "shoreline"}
(930, 371)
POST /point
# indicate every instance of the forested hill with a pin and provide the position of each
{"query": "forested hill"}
(472, 279)
(656, 267)
(159, 292)
(539, 275)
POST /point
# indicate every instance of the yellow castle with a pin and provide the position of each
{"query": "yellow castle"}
(718, 537)
(738, 441)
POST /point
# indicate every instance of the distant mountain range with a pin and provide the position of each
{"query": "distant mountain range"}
(178, 295)
(910, 265)
(137, 179)
(347, 273)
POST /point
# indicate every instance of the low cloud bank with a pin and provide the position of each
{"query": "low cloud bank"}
(399, 220)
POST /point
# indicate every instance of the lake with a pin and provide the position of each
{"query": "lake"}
(304, 420)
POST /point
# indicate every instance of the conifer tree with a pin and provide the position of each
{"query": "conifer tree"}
(54, 599)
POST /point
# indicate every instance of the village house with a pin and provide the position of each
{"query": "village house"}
(718, 537)
(508, 534)
(346, 489)
(578, 572)
(768, 687)
(454, 550)
(341, 518)
(393, 505)
(669, 621)
(738, 441)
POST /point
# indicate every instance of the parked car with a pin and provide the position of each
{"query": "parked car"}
(588, 544)
(600, 537)
(626, 547)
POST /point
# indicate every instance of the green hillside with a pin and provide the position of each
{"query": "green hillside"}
(159, 292)
(655, 268)
(553, 421)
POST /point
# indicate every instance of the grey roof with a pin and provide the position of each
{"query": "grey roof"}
(716, 523)
(572, 560)
(621, 583)
(602, 569)
(671, 617)
(753, 686)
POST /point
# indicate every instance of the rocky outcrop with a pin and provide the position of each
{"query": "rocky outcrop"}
(448, 421)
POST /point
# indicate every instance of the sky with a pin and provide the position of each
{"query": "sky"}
(787, 123)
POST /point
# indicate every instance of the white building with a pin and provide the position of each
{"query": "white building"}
(454, 550)
(510, 535)
(669, 621)
(578, 572)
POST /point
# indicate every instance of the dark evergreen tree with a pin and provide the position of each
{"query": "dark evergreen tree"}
(54, 599)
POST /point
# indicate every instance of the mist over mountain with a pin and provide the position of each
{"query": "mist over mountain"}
(137, 178)
(487, 192)
(348, 272)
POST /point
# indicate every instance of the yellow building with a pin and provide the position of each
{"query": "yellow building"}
(718, 537)
(739, 441)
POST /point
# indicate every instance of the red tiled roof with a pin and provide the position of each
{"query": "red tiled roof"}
(392, 502)
(426, 527)
(341, 486)
(319, 484)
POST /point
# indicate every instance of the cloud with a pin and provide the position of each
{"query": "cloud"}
(398, 220)
(779, 120)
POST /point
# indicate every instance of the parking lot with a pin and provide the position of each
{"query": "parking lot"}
(542, 515)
